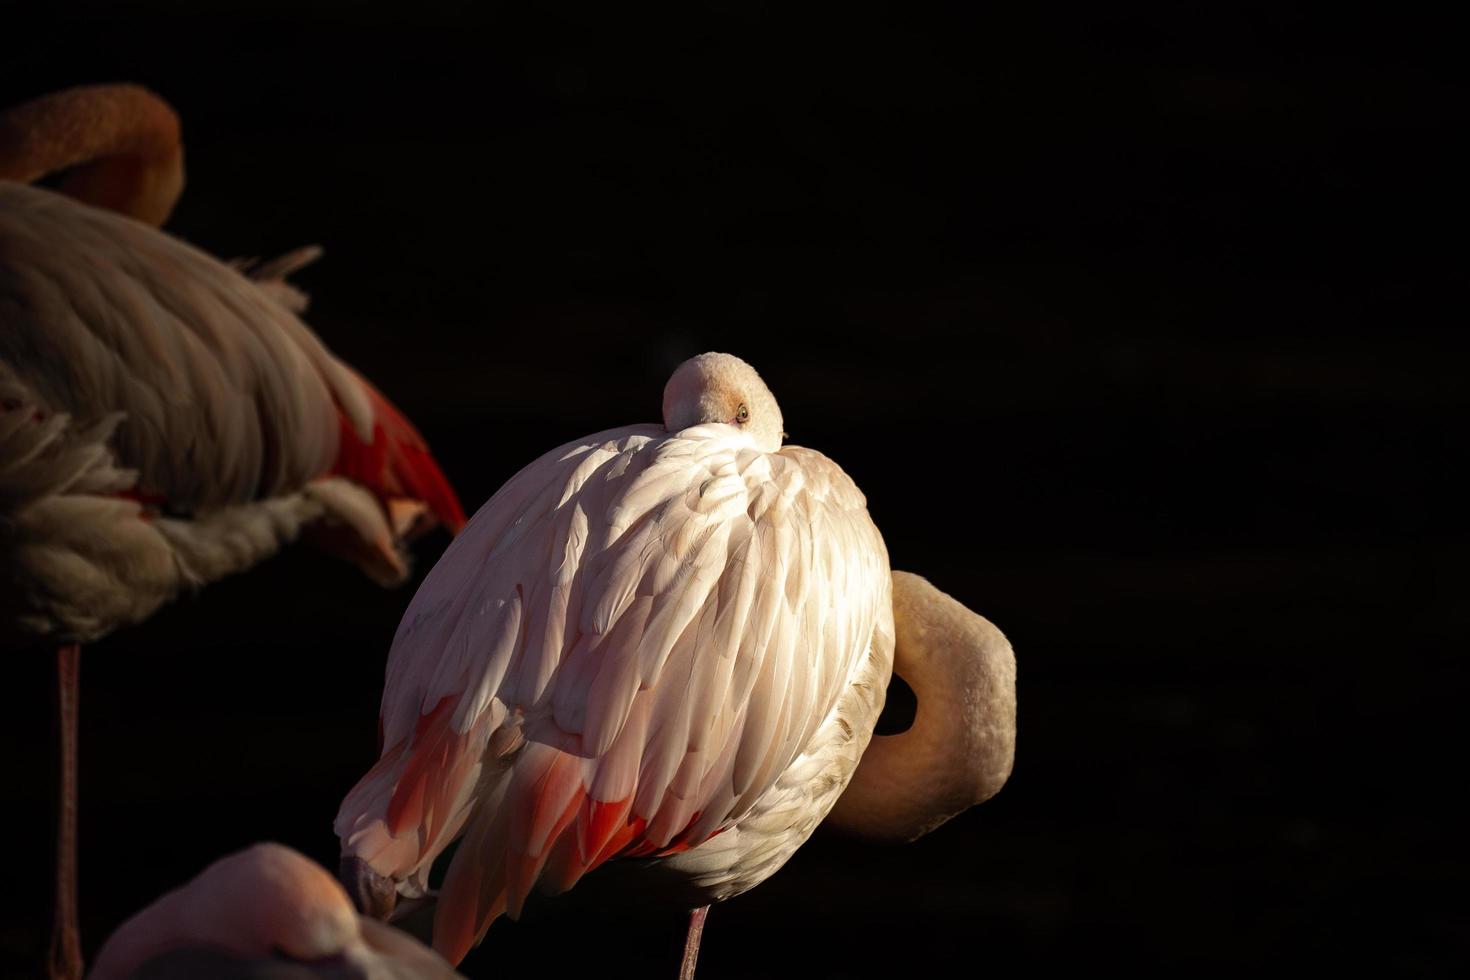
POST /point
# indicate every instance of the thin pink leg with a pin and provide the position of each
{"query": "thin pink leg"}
(66, 939)
(691, 942)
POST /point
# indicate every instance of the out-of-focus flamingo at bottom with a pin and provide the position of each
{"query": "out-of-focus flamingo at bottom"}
(264, 912)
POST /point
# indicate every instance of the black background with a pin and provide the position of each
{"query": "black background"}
(1137, 326)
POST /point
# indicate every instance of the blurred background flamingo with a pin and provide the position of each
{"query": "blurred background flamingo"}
(264, 913)
(165, 420)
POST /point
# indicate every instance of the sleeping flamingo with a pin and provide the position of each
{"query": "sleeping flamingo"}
(670, 643)
(266, 911)
(164, 420)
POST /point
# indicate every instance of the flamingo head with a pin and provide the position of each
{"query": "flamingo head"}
(714, 388)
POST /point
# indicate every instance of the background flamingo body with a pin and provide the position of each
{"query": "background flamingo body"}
(166, 421)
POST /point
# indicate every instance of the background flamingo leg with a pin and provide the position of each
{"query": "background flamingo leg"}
(66, 941)
(691, 942)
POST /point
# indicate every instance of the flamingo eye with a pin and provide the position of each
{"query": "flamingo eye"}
(742, 414)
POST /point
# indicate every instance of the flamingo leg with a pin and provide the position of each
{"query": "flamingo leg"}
(66, 942)
(691, 942)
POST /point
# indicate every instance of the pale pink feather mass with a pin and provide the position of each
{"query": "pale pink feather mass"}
(649, 643)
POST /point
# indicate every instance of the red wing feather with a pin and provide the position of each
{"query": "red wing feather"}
(397, 462)
(547, 831)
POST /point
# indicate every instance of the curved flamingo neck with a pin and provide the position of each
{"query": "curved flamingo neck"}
(121, 143)
(960, 748)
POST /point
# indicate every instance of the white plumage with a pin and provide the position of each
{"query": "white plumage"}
(648, 642)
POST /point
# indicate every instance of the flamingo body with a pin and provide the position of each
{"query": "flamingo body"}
(166, 420)
(648, 643)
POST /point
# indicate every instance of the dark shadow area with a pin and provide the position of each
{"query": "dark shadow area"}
(898, 709)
